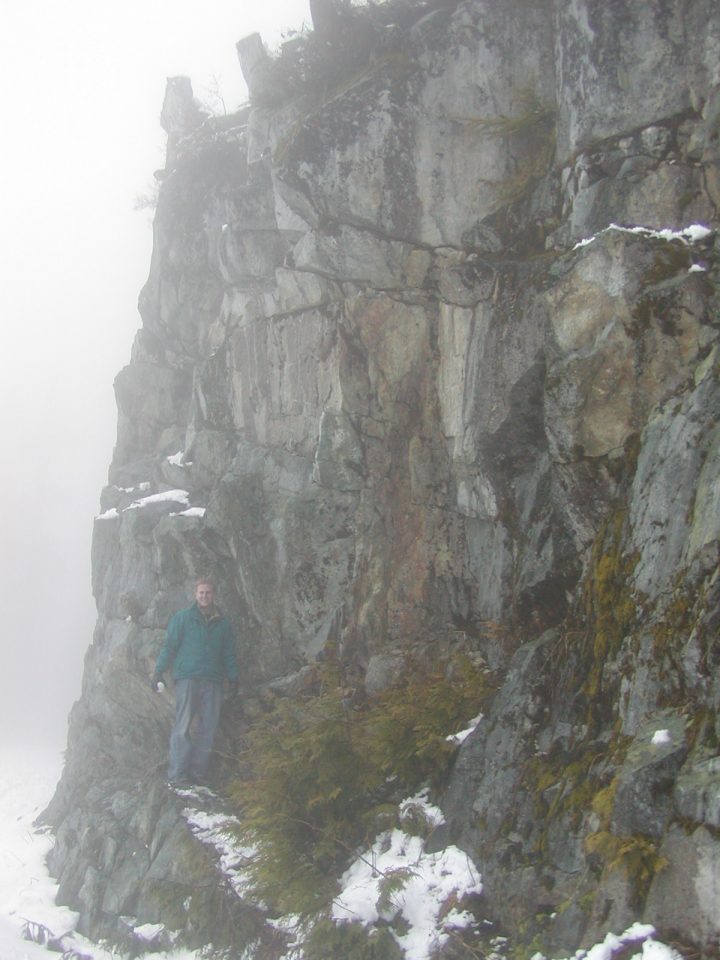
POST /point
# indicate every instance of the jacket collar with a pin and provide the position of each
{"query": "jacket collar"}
(215, 615)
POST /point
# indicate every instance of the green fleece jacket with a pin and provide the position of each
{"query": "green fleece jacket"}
(197, 646)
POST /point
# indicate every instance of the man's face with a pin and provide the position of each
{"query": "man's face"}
(205, 595)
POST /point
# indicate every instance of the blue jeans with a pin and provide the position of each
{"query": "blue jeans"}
(199, 701)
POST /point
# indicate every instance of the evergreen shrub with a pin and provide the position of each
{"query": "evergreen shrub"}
(351, 941)
(322, 775)
(406, 729)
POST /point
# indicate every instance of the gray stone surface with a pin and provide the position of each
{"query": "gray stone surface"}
(643, 799)
(626, 66)
(415, 416)
(697, 792)
(685, 892)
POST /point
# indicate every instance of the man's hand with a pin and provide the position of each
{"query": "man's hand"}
(156, 684)
(232, 689)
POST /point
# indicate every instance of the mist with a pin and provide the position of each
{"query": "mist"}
(83, 84)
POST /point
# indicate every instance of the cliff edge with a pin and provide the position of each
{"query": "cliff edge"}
(428, 370)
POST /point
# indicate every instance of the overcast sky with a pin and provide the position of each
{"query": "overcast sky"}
(82, 83)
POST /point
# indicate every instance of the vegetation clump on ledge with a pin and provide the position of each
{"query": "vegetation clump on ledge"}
(324, 776)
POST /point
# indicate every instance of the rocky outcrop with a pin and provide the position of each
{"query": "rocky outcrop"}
(429, 360)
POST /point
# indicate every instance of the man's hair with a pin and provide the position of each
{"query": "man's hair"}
(205, 580)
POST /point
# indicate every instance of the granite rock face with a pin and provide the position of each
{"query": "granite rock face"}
(384, 395)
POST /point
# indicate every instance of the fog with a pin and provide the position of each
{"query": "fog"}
(83, 83)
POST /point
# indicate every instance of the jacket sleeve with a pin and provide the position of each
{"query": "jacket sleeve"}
(170, 645)
(229, 654)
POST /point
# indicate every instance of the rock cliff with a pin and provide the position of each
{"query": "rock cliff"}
(429, 365)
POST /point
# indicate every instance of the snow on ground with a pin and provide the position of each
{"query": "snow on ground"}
(639, 934)
(222, 832)
(181, 497)
(172, 496)
(689, 235)
(661, 737)
(462, 735)
(27, 892)
(420, 806)
(190, 512)
(395, 879)
(178, 459)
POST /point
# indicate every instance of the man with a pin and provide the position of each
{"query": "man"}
(199, 644)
